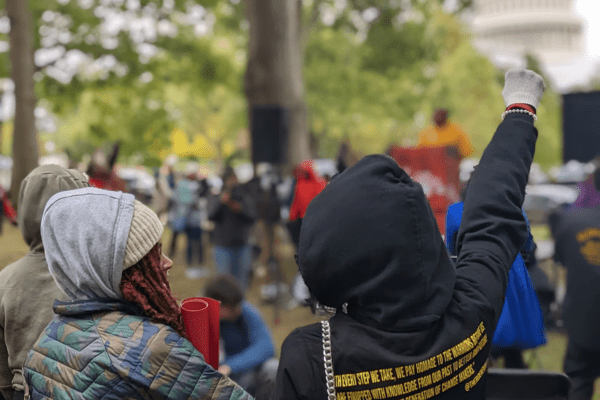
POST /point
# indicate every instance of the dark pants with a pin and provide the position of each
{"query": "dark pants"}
(173, 246)
(513, 358)
(583, 367)
(194, 245)
(294, 230)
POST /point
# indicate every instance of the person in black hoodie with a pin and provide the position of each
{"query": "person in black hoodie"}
(576, 232)
(409, 324)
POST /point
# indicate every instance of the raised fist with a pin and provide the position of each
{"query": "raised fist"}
(523, 86)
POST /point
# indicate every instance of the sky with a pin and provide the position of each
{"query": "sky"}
(579, 70)
(590, 11)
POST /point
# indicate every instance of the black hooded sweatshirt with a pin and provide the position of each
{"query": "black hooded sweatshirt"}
(576, 234)
(416, 327)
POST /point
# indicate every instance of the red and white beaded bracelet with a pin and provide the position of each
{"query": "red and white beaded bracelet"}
(519, 110)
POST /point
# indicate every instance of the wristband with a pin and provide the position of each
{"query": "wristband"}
(517, 111)
(523, 106)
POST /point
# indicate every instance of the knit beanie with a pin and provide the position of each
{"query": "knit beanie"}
(145, 231)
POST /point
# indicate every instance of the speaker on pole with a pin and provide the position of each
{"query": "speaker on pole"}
(269, 128)
(581, 126)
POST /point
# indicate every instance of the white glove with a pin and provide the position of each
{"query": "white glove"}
(523, 86)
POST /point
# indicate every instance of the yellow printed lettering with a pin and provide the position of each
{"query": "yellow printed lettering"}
(447, 356)
(360, 395)
(426, 365)
(400, 372)
(466, 373)
(469, 385)
(449, 384)
(410, 370)
(387, 374)
(410, 386)
(375, 376)
(475, 336)
(481, 327)
(436, 376)
(480, 345)
(588, 234)
(378, 393)
(424, 381)
(461, 348)
(394, 391)
(362, 378)
(427, 394)
(446, 371)
(345, 380)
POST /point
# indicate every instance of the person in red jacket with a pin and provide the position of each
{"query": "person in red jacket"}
(308, 185)
(6, 209)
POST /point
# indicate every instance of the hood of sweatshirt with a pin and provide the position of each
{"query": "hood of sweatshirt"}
(41, 184)
(370, 240)
(85, 235)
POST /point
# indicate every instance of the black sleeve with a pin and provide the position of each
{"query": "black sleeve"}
(215, 208)
(246, 202)
(493, 228)
(248, 208)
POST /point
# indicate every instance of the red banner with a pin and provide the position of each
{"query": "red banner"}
(437, 170)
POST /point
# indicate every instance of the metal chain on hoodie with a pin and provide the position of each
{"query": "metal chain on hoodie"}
(328, 360)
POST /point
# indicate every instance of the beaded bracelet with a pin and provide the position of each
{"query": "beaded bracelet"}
(519, 110)
(524, 106)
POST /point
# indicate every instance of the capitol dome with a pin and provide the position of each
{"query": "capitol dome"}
(549, 29)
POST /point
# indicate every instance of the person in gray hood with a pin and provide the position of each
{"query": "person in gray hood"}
(120, 335)
(27, 290)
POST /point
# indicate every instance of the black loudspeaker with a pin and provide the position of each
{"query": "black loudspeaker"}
(581, 126)
(269, 128)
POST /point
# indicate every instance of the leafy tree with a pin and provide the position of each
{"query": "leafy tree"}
(25, 145)
(115, 70)
(383, 86)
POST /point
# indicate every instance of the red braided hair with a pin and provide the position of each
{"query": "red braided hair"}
(146, 285)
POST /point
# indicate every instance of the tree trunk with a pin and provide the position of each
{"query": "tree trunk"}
(274, 70)
(25, 146)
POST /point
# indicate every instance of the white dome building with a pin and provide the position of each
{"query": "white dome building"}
(509, 29)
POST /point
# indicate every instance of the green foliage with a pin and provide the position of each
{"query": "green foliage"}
(135, 97)
(110, 115)
(384, 88)
(373, 75)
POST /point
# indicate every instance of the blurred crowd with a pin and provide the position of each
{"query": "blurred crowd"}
(419, 296)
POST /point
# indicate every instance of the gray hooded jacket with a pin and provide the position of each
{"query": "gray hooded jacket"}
(27, 290)
(87, 259)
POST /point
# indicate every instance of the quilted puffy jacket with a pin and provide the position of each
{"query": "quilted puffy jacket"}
(106, 349)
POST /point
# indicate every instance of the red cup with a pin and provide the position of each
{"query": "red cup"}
(201, 320)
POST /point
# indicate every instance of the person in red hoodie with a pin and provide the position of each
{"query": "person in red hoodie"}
(6, 209)
(308, 185)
